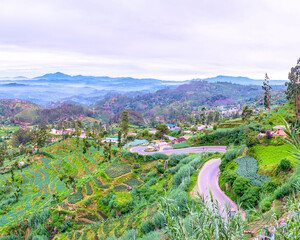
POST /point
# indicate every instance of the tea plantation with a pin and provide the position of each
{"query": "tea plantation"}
(85, 196)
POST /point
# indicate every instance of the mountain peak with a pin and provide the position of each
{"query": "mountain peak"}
(55, 75)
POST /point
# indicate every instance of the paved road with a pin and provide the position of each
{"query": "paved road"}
(208, 178)
(141, 150)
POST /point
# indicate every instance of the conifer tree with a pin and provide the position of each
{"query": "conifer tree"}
(267, 95)
(124, 123)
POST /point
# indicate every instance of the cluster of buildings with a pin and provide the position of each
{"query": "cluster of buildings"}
(67, 131)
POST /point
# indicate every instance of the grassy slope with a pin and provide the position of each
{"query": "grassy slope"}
(269, 156)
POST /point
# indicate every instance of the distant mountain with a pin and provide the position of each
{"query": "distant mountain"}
(57, 75)
(176, 103)
(53, 87)
(61, 102)
(10, 107)
(86, 90)
(241, 80)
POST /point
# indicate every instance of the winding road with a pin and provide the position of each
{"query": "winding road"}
(208, 179)
(222, 149)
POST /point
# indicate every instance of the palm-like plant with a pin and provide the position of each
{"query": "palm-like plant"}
(201, 220)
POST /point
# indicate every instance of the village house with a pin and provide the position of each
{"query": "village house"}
(279, 130)
(178, 140)
(172, 127)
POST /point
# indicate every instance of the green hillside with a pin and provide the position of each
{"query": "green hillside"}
(110, 194)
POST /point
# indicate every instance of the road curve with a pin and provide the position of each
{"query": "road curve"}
(208, 179)
(141, 150)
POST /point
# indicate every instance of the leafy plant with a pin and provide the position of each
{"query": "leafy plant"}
(247, 167)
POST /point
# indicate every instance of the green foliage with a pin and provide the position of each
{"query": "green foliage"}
(229, 155)
(126, 154)
(269, 187)
(229, 176)
(76, 197)
(114, 171)
(155, 156)
(282, 191)
(184, 144)
(196, 221)
(284, 165)
(248, 169)
(38, 218)
(133, 182)
(250, 198)
(120, 188)
(89, 190)
(251, 140)
(175, 159)
(159, 220)
(147, 226)
(272, 154)
(161, 130)
(240, 185)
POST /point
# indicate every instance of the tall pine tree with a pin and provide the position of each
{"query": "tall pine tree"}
(267, 95)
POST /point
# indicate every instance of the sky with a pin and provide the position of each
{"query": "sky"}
(164, 39)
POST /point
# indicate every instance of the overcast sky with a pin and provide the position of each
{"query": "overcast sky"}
(166, 39)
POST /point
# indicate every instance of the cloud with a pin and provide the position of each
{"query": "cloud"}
(163, 39)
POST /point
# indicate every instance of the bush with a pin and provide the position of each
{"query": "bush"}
(269, 187)
(251, 140)
(175, 158)
(230, 154)
(159, 167)
(250, 198)
(147, 226)
(155, 156)
(240, 185)
(282, 191)
(126, 154)
(284, 165)
(229, 176)
(151, 182)
(159, 220)
(266, 203)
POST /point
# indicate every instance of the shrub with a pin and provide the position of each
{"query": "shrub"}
(155, 156)
(251, 140)
(159, 167)
(229, 176)
(240, 185)
(159, 220)
(282, 191)
(230, 154)
(175, 158)
(126, 154)
(151, 182)
(250, 198)
(147, 226)
(266, 203)
(284, 165)
(269, 187)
